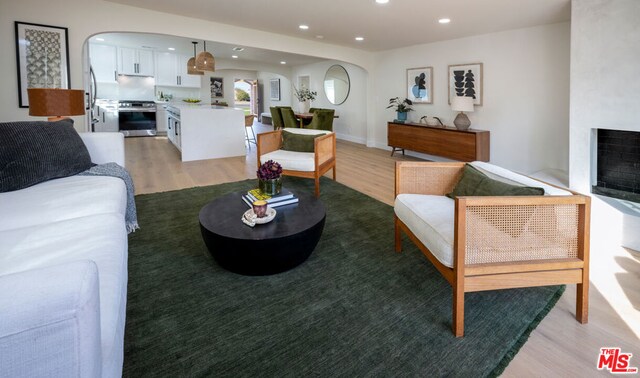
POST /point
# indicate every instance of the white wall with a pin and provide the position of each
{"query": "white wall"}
(605, 91)
(264, 77)
(526, 92)
(352, 122)
(87, 17)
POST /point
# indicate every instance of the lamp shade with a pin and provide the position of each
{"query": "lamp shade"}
(55, 103)
(205, 62)
(462, 104)
(191, 67)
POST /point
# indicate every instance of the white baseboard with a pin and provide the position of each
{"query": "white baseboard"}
(351, 138)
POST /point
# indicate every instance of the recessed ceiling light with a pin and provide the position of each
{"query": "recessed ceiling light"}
(238, 48)
(234, 56)
(100, 39)
(382, 1)
(320, 36)
(444, 20)
(283, 62)
(359, 38)
(171, 49)
(304, 27)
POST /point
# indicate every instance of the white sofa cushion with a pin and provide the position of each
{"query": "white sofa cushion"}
(431, 220)
(521, 179)
(58, 306)
(291, 160)
(101, 238)
(105, 147)
(306, 131)
(61, 199)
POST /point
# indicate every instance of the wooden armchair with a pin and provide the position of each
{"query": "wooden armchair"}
(300, 164)
(501, 242)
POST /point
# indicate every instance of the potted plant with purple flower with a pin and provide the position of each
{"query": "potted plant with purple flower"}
(270, 178)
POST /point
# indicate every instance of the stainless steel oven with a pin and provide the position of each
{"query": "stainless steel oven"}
(137, 118)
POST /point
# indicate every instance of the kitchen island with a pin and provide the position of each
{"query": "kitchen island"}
(205, 131)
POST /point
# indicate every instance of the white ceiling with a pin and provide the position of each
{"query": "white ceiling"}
(398, 23)
(161, 42)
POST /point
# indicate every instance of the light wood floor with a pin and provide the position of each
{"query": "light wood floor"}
(560, 346)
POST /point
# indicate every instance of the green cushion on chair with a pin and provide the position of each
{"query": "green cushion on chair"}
(475, 183)
(298, 142)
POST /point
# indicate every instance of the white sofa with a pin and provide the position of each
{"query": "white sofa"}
(63, 273)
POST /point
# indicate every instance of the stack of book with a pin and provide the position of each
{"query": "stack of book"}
(284, 198)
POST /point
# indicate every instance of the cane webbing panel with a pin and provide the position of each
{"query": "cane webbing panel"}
(433, 179)
(508, 233)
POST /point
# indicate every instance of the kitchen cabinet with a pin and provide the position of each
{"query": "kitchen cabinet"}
(107, 119)
(161, 118)
(135, 62)
(171, 70)
(104, 62)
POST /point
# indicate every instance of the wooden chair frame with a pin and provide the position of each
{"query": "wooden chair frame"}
(324, 155)
(440, 178)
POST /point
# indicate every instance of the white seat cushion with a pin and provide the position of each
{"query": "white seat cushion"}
(431, 220)
(306, 131)
(61, 199)
(291, 160)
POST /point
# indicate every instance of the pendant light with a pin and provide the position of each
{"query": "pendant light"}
(205, 61)
(191, 63)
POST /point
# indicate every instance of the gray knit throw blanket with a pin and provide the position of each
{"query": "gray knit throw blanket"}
(113, 169)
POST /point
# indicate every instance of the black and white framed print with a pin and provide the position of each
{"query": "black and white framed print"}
(42, 55)
(275, 89)
(466, 80)
(217, 89)
(420, 85)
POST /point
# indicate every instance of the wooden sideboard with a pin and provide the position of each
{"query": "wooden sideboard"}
(448, 142)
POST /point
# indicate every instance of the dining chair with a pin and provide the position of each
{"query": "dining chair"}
(288, 118)
(322, 120)
(276, 118)
(248, 124)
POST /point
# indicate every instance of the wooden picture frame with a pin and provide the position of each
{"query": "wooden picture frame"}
(274, 89)
(466, 80)
(420, 85)
(217, 87)
(42, 58)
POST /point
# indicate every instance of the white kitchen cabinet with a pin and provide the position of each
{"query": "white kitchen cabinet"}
(107, 119)
(135, 62)
(104, 62)
(161, 118)
(171, 70)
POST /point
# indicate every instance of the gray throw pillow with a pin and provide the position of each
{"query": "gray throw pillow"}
(32, 152)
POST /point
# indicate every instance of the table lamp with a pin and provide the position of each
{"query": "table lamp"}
(55, 103)
(462, 104)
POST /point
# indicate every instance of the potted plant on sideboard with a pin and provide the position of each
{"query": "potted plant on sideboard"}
(401, 107)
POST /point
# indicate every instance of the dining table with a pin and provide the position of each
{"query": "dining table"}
(307, 117)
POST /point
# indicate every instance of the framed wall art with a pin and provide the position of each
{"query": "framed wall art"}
(420, 85)
(42, 55)
(275, 89)
(466, 80)
(217, 89)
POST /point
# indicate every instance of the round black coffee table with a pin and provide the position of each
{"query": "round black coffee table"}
(270, 248)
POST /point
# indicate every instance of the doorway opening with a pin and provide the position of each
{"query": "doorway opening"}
(246, 95)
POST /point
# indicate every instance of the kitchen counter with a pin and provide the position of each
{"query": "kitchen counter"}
(206, 131)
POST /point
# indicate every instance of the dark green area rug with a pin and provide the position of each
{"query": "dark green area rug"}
(354, 308)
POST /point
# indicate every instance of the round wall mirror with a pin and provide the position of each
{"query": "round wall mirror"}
(336, 84)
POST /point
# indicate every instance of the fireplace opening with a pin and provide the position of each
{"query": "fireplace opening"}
(618, 164)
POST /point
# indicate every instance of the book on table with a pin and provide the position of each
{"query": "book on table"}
(285, 197)
(284, 194)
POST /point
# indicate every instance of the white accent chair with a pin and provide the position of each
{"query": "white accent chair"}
(300, 164)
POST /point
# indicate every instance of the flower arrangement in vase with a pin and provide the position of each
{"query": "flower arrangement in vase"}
(305, 95)
(270, 178)
(401, 107)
